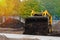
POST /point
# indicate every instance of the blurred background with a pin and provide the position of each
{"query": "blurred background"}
(15, 9)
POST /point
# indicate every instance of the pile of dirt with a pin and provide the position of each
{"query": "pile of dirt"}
(12, 23)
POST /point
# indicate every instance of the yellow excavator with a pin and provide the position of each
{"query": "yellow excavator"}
(45, 14)
(39, 23)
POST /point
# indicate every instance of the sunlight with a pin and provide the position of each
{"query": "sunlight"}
(2, 2)
(21, 0)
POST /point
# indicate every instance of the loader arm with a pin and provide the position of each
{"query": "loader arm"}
(45, 13)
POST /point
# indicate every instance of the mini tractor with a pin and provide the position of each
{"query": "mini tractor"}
(38, 23)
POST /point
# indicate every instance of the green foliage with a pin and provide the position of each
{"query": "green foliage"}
(26, 7)
(53, 6)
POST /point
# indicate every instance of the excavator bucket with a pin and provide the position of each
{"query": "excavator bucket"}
(36, 25)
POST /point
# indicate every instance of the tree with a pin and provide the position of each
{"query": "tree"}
(26, 7)
(52, 6)
(7, 7)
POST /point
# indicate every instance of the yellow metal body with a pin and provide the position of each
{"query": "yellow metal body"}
(46, 14)
(32, 13)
